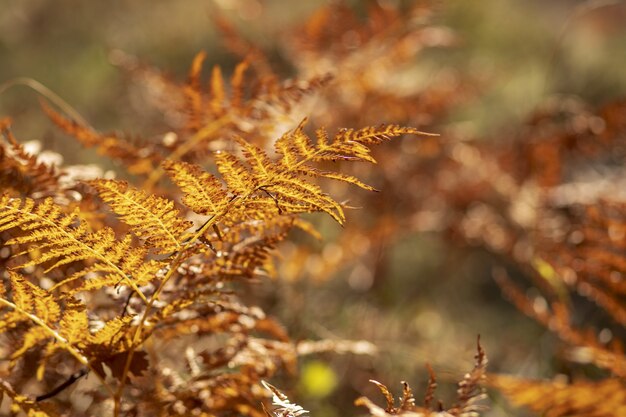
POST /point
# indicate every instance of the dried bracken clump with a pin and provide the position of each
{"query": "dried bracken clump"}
(470, 393)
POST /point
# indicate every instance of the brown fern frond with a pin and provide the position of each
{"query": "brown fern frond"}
(556, 316)
(606, 398)
(21, 172)
(193, 93)
(153, 219)
(470, 392)
(138, 159)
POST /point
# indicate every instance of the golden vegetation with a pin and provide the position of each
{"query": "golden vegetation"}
(150, 302)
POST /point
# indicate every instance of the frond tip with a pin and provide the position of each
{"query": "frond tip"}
(284, 407)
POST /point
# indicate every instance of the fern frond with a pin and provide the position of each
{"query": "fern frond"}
(204, 193)
(557, 399)
(138, 159)
(74, 324)
(63, 238)
(24, 308)
(153, 219)
(33, 299)
(469, 393)
(236, 175)
(110, 339)
(22, 172)
(281, 186)
(280, 183)
(285, 408)
(297, 148)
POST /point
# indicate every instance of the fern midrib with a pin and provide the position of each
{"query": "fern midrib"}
(88, 249)
(155, 296)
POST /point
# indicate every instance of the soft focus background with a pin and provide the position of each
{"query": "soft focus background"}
(433, 297)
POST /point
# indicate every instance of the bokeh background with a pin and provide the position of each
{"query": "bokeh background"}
(434, 297)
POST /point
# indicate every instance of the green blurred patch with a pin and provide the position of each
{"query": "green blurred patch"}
(318, 379)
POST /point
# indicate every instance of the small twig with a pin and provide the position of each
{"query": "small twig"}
(130, 296)
(71, 380)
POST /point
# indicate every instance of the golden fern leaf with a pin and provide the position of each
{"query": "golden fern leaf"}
(63, 238)
(204, 193)
(33, 299)
(218, 95)
(110, 338)
(27, 299)
(74, 324)
(297, 148)
(605, 398)
(37, 307)
(153, 219)
(279, 184)
(237, 177)
(131, 260)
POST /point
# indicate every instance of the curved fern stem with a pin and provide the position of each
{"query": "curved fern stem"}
(139, 330)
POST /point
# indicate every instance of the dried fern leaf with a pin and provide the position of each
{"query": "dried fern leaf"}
(23, 173)
(37, 308)
(192, 92)
(204, 193)
(62, 238)
(470, 390)
(138, 159)
(151, 218)
(218, 94)
(285, 408)
(348, 144)
(605, 398)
